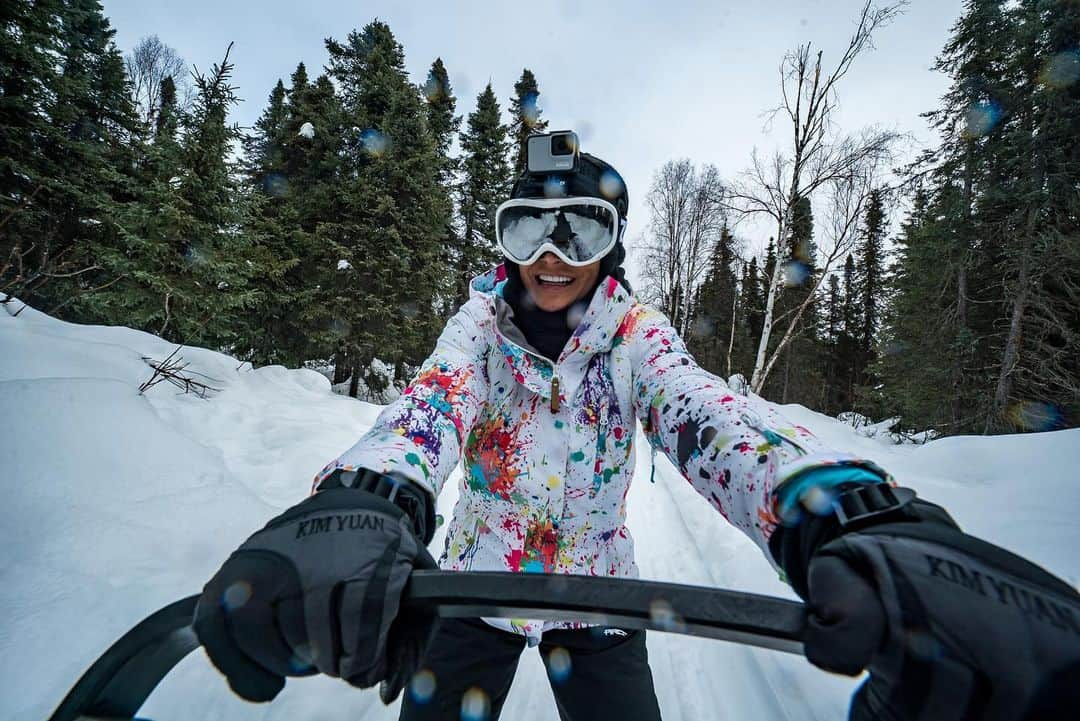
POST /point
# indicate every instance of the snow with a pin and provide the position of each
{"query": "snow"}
(119, 503)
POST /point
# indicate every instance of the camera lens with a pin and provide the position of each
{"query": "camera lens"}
(562, 144)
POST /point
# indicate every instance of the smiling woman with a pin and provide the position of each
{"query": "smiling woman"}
(553, 285)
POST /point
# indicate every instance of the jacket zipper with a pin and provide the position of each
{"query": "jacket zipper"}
(554, 377)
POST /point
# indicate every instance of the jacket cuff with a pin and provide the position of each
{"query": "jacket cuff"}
(801, 477)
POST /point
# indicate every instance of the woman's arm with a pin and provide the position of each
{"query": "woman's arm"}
(734, 450)
(419, 436)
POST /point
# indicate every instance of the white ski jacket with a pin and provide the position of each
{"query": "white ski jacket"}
(548, 449)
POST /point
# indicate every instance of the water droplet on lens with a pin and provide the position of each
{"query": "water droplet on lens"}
(796, 273)
(981, 118)
(559, 666)
(611, 185)
(818, 500)
(236, 595)
(554, 187)
(1062, 70)
(422, 686)
(665, 617)
(475, 705)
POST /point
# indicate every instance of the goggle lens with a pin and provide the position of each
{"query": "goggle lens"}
(581, 233)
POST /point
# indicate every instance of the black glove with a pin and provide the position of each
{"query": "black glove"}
(318, 589)
(949, 626)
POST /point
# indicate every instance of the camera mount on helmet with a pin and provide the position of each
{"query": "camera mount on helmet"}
(556, 168)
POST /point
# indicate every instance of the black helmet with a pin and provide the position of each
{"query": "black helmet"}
(590, 177)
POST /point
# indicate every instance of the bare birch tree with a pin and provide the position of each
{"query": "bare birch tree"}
(819, 156)
(687, 214)
(147, 66)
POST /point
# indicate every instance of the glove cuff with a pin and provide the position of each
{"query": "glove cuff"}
(416, 503)
(854, 507)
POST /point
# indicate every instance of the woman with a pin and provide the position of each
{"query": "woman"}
(537, 384)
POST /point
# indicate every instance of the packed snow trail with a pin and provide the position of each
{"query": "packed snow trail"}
(119, 503)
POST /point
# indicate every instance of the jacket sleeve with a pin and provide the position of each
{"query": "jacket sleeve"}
(419, 436)
(733, 449)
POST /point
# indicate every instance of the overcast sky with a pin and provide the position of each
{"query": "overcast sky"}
(641, 82)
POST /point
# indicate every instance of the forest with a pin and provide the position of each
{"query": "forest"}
(341, 230)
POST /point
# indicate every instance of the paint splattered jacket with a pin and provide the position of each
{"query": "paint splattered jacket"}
(548, 449)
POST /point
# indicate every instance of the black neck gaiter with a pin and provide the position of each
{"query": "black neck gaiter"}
(546, 331)
(549, 331)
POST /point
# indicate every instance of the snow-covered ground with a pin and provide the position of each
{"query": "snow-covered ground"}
(118, 503)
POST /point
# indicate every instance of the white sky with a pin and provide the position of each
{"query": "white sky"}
(641, 82)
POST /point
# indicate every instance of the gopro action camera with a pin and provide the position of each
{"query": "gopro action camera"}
(552, 152)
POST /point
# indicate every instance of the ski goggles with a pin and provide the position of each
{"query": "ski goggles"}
(579, 231)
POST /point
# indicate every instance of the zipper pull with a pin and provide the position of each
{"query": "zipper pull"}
(555, 394)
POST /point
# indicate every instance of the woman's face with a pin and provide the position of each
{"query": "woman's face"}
(554, 285)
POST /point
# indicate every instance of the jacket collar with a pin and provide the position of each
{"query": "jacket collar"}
(597, 332)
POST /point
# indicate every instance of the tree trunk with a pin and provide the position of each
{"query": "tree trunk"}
(354, 382)
(1012, 350)
(341, 367)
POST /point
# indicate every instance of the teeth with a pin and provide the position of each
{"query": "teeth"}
(556, 279)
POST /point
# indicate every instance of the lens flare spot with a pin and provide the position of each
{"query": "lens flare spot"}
(1036, 416)
(422, 687)
(575, 314)
(611, 185)
(796, 273)
(374, 143)
(340, 327)
(818, 500)
(559, 666)
(276, 185)
(302, 659)
(554, 187)
(475, 705)
(704, 326)
(530, 110)
(922, 644)
(1062, 70)
(981, 118)
(194, 255)
(664, 616)
(236, 595)
(434, 89)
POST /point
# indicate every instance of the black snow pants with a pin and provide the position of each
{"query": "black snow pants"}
(595, 674)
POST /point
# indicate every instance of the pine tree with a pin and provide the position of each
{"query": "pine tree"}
(714, 310)
(485, 184)
(67, 133)
(525, 117)
(443, 125)
(384, 301)
(442, 122)
(752, 303)
(869, 287)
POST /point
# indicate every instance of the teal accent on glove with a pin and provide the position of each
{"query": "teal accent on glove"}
(790, 493)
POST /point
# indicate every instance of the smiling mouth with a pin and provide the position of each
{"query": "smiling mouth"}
(553, 281)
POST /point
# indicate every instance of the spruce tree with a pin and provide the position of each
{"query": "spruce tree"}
(714, 310)
(525, 117)
(67, 132)
(869, 285)
(485, 183)
(384, 301)
(442, 123)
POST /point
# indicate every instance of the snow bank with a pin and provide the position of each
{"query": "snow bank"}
(119, 503)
